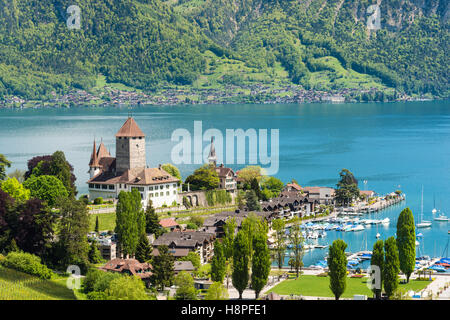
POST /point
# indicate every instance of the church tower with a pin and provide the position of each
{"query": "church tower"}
(212, 158)
(130, 147)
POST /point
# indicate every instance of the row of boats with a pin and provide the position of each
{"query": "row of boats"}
(346, 225)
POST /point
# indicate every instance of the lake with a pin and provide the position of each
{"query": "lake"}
(401, 145)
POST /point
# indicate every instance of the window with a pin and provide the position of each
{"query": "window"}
(104, 186)
(161, 194)
(150, 195)
(174, 185)
(161, 187)
(91, 185)
(168, 193)
(111, 187)
(150, 188)
(174, 191)
(97, 186)
(167, 186)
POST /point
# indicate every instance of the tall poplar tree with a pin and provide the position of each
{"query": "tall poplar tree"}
(406, 242)
(378, 260)
(218, 263)
(260, 263)
(278, 225)
(391, 266)
(241, 255)
(337, 264)
(130, 221)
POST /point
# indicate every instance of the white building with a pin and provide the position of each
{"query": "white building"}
(128, 170)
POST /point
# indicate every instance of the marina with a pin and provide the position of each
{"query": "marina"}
(374, 226)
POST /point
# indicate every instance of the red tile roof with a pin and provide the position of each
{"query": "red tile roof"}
(169, 222)
(130, 129)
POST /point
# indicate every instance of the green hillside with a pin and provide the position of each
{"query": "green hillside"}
(16, 285)
(151, 44)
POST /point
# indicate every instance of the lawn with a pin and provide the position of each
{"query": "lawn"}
(309, 285)
(15, 285)
(106, 221)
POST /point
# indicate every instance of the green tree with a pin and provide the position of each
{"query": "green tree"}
(73, 228)
(251, 201)
(47, 188)
(163, 268)
(391, 266)
(54, 165)
(186, 289)
(204, 178)
(15, 189)
(253, 225)
(297, 241)
(217, 291)
(96, 225)
(152, 225)
(218, 263)
(127, 288)
(94, 254)
(241, 254)
(254, 185)
(347, 188)
(143, 249)
(4, 163)
(18, 174)
(278, 225)
(337, 264)
(249, 173)
(260, 263)
(378, 260)
(406, 242)
(192, 257)
(172, 170)
(229, 234)
(130, 221)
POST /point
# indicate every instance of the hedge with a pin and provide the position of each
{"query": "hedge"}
(27, 263)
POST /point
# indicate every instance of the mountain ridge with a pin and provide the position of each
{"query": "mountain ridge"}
(152, 44)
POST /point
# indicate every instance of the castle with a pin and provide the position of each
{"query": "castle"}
(128, 170)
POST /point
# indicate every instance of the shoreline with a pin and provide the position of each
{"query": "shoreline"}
(255, 94)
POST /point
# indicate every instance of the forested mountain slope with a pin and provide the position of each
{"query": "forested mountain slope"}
(148, 44)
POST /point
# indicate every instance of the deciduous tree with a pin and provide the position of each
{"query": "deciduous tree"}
(406, 242)
(337, 264)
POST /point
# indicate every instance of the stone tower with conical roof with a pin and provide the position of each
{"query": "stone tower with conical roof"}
(130, 147)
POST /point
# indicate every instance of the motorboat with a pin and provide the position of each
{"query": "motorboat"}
(358, 228)
(441, 218)
(378, 235)
(385, 221)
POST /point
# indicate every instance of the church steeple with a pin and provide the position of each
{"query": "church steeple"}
(212, 158)
(94, 160)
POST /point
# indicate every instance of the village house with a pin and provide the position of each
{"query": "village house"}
(169, 224)
(226, 175)
(128, 170)
(180, 266)
(289, 204)
(192, 241)
(320, 195)
(130, 267)
(367, 194)
(215, 224)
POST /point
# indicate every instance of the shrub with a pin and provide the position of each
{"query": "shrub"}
(27, 263)
(191, 226)
(98, 200)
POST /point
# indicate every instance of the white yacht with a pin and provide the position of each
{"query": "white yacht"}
(423, 223)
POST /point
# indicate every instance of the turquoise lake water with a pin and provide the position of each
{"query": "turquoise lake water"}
(391, 145)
